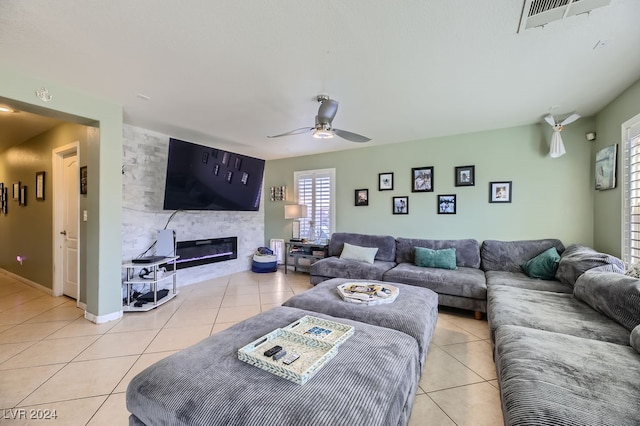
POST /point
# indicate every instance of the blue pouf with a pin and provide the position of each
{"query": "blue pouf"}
(264, 263)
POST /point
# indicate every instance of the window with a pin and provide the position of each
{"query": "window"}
(316, 190)
(631, 190)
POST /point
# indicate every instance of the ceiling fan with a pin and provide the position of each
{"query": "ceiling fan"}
(557, 147)
(323, 130)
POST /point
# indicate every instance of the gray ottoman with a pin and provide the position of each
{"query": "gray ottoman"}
(371, 381)
(414, 312)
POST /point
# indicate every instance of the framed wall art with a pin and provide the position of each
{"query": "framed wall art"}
(465, 176)
(361, 197)
(422, 179)
(447, 204)
(40, 186)
(16, 190)
(606, 168)
(23, 196)
(83, 180)
(385, 181)
(400, 205)
(500, 192)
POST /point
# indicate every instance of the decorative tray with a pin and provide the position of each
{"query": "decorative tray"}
(321, 329)
(368, 293)
(314, 354)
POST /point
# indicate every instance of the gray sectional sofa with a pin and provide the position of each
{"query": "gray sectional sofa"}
(566, 347)
(464, 287)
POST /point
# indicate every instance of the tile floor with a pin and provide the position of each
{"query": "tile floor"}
(51, 358)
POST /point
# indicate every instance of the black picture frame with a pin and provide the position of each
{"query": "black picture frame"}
(422, 179)
(447, 204)
(385, 181)
(361, 197)
(400, 205)
(22, 201)
(465, 176)
(5, 201)
(16, 190)
(500, 191)
(40, 186)
(83, 180)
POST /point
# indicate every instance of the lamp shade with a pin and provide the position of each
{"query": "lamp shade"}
(295, 211)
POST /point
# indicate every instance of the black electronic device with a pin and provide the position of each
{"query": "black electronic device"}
(272, 351)
(204, 178)
(148, 297)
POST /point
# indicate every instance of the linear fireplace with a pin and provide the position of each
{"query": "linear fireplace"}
(201, 252)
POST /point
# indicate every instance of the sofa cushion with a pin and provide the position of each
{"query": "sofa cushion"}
(465, 282)
(577, 259)
(544, 265)
(334, 267)
(634, 339)
(361, 254)
(615, 295)
(429, 258)
(556, 379)
(509, 255)
(385, 244)
(520, 280)
(557, 312)
(467, 251)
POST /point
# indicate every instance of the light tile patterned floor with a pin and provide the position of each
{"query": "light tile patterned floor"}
(51, 358)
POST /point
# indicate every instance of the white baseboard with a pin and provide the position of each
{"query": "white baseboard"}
(101, 319)
(28, 282)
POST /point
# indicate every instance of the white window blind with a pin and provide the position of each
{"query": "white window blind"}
(316, 190)
(631, 190)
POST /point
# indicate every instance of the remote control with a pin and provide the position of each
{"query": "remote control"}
(279, 355)
(274, 350)
(290, 359)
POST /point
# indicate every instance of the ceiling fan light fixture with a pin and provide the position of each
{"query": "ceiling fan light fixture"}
(322, 134)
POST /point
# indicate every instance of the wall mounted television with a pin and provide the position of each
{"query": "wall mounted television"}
(204, 178)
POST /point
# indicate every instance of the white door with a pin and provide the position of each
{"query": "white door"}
(70, 222)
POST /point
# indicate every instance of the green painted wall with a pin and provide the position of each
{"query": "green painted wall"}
(608, 204)
(551, 197)
(102, 259)
(27, 230)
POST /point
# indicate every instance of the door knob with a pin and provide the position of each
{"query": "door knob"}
(63, 233)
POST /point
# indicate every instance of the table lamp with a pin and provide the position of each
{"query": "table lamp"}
(295, 211)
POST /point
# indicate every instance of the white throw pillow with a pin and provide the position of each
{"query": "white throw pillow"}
(361, 254)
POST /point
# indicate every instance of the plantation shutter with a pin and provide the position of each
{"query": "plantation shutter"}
(315, 189)
(631, 197)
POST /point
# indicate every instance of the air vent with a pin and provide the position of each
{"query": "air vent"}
(536, 13)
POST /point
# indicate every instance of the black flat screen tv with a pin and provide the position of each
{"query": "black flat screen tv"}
(204, 178)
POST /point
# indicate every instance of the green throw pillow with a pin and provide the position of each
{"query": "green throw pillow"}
(543, 266)
(429, 258)
(361, 254)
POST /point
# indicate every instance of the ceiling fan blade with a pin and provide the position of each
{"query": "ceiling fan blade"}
(350, 136)
(570, 119)
(557, 147)
(327, 111)
(549, 119)
(293, 132)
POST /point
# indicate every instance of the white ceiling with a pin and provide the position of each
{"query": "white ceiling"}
(229, 73)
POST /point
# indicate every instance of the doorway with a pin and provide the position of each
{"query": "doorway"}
(66, 223)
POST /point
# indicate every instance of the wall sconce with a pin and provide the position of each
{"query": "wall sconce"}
(278, 193)
(20, 259)
(591, 136)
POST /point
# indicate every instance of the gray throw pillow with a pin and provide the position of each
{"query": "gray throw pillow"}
(634, 340)
(578, 259)
(615, 295)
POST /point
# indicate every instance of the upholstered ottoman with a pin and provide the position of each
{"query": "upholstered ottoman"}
(414, 312)
(371, 381)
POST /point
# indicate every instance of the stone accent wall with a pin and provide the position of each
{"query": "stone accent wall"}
(145, 165)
